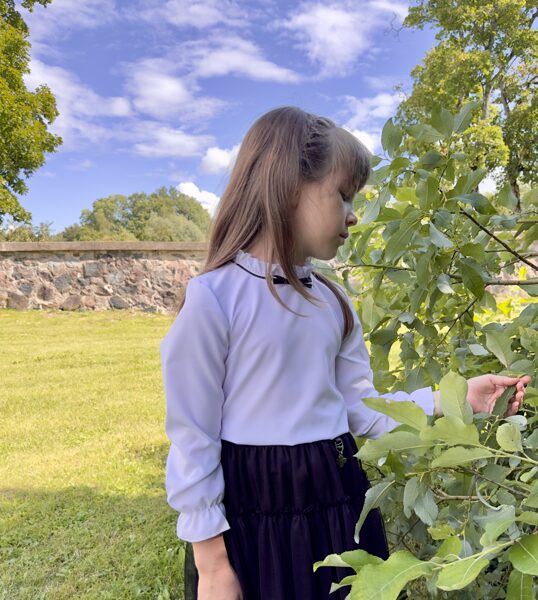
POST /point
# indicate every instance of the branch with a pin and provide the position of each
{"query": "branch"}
(443, 496)
(504, 244)
(523, 282)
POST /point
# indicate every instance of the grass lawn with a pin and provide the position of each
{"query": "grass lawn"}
(83, 510)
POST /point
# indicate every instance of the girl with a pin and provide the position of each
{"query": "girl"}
(264, 370)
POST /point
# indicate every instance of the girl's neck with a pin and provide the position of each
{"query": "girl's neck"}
(260, 250)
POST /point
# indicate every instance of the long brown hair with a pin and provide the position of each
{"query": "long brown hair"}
(285, 148)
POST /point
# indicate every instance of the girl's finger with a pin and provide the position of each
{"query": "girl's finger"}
(504, 380)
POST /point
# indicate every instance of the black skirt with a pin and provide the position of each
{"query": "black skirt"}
(288, 507)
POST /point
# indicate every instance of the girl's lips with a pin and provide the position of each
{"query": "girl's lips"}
(344, 235)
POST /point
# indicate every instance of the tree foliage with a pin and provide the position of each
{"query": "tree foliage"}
(24, 115)
(165, 215)
(458, 493)
(465, 490)
(488, 52)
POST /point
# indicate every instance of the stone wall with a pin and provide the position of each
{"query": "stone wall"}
(147, 276)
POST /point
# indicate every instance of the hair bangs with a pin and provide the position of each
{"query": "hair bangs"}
(351, 158)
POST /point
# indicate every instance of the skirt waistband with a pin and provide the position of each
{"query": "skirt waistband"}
(282, 479)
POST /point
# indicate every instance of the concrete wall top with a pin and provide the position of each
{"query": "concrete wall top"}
(196, 248)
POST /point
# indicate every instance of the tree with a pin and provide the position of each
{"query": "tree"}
(488, 52)
(164, 215)
(24, 115)
(457, 492)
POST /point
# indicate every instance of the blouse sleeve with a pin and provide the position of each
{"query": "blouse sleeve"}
(354, 379)
(193, 354)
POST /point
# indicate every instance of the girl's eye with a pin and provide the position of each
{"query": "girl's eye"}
(345, 198)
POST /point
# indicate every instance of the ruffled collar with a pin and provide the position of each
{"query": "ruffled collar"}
(258, 267)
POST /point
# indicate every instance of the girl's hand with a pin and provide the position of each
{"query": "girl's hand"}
(220, 583)
(484, 390)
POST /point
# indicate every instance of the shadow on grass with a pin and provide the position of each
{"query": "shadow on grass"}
(79, 543)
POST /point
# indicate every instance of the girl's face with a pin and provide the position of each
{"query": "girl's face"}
(322, 216)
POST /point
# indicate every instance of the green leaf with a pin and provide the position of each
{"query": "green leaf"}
(472, 279)
(428, 193)
(532, 500)
(406, 194)
(499, 343)
(398, 242)
(391, 137)
(411, 492)
(497, 524)
(475, 251)
(453, 388)
(397, 441)
(529, 517)
(454, 457)
(451, 430)
(371, 314)
(520, 586)
(450, 548)
(460, 573)
(372, 211)
(354, 559)
(438, 238)
(402, 411)
(425, 508)
(506, 197)
(444, 284)
(443, 121)
(463, 119)
(385, 581)
(509, 437)
(372, 499)
(424, 133)
(501, 405)
(524, 555)
(431, 159)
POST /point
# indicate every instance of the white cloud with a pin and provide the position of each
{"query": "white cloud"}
(81, 165)
(365, 110)
(381, 83)
(207, 199)
(335, 35)
(218, 160)
(396, 8)
(232, 55)
(158, 92)
(78, 104)
(372, 140)
(155, 140)
(63, 17)
(200, 14)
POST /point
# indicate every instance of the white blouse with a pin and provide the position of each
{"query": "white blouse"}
(238, 366)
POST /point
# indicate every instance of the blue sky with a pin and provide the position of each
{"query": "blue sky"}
(158, 93)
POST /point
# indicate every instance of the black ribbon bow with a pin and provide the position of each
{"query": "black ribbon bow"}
(306, 281)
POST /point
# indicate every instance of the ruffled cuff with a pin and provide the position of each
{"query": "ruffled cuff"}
(200, 525)
(424, 398)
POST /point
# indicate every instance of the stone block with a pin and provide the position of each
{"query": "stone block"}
(46, 293)
(26, 288)
(63, 282)
(17, 301)
(71, 303)
(118, 302)
(92, 269)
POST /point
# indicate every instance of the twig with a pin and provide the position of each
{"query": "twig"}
(504, 244)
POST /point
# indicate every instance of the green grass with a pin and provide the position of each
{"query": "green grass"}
(83, 510)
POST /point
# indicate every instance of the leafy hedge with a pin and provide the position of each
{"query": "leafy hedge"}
(459, 493)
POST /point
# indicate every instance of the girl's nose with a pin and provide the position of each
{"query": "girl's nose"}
(351, 218)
